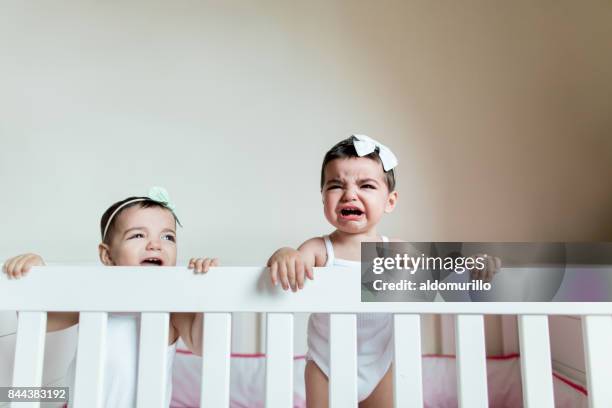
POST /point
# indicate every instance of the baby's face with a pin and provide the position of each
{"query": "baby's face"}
(144, 237)
(355, 194)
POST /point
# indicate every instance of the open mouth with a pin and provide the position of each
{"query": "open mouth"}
(351, 212)
(152, 262)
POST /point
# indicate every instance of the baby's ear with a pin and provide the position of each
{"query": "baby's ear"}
(391, 201)
(104, 252)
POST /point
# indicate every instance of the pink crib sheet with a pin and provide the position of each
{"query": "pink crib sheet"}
(247, 382)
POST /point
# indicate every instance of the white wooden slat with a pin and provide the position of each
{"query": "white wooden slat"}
(29, 353)
(216, 360)
(536, 367)
(597, 335)
(152, 356)
(471, 361)
(343, 361)
(407, 370)
(279, 361)
(91, 354)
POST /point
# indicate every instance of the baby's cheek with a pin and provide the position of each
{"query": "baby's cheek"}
(171, 251)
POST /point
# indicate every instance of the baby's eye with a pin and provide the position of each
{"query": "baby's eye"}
(137, 235)
(169, 237)
(372, 186)
(334, 186)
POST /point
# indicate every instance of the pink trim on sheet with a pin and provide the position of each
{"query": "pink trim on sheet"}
(241, 355)
(575, 386)
(503, 357)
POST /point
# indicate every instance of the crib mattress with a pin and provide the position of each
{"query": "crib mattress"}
(247, 382)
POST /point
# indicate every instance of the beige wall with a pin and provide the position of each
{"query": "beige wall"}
(499, 112)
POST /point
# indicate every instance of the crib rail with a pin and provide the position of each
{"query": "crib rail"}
(95, 291)
(231, 289)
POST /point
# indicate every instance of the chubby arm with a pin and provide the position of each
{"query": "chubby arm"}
(290, 266)
(189, 327)
(19, 266)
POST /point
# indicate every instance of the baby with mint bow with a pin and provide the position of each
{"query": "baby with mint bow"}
(136, 231)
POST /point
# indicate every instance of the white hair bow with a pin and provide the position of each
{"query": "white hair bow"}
(365, 145)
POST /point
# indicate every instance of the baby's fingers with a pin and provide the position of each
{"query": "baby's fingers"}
(476, 272)
(191, 263)
(291, 275)
(492, 268)
(309, 271)
(22, 267)
(9, 266)
(274, 273)
(282, 274)
(208, 263)
(5, 266)
(299, 273)
(199, 265)
(488, 271)
(16, 266)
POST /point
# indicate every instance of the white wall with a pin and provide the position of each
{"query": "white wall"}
(498, 111)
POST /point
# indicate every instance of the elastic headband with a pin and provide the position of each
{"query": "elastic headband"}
(156, 194)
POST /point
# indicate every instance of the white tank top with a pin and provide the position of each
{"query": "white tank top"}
(121, 363)
(374, 338)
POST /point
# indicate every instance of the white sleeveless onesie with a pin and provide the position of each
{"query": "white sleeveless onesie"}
(374, 338)
(121, 363)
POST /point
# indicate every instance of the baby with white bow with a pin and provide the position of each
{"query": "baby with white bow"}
(358, 189)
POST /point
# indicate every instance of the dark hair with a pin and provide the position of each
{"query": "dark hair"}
(145, 203)
(345, 149)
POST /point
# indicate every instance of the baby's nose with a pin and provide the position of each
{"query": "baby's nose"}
(154, 244)
(350, 194)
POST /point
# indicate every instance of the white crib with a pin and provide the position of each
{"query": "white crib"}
(94, 291)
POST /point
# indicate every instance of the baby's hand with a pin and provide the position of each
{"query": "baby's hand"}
(202, 265)
(492, 266)
(287, 265)
(20, 265)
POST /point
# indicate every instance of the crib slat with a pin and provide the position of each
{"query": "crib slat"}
(407, 371)
(471, 361)
(91, 353)
(536, 368)
(343, 361)
(597, 334)
(216, 360)
(152, 378)
(279, 361)
(29, 353)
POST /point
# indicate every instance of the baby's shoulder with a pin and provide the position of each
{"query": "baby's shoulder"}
(314, 244)
(315, 247)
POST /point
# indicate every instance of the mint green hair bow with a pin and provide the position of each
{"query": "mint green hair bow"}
(160, 195)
